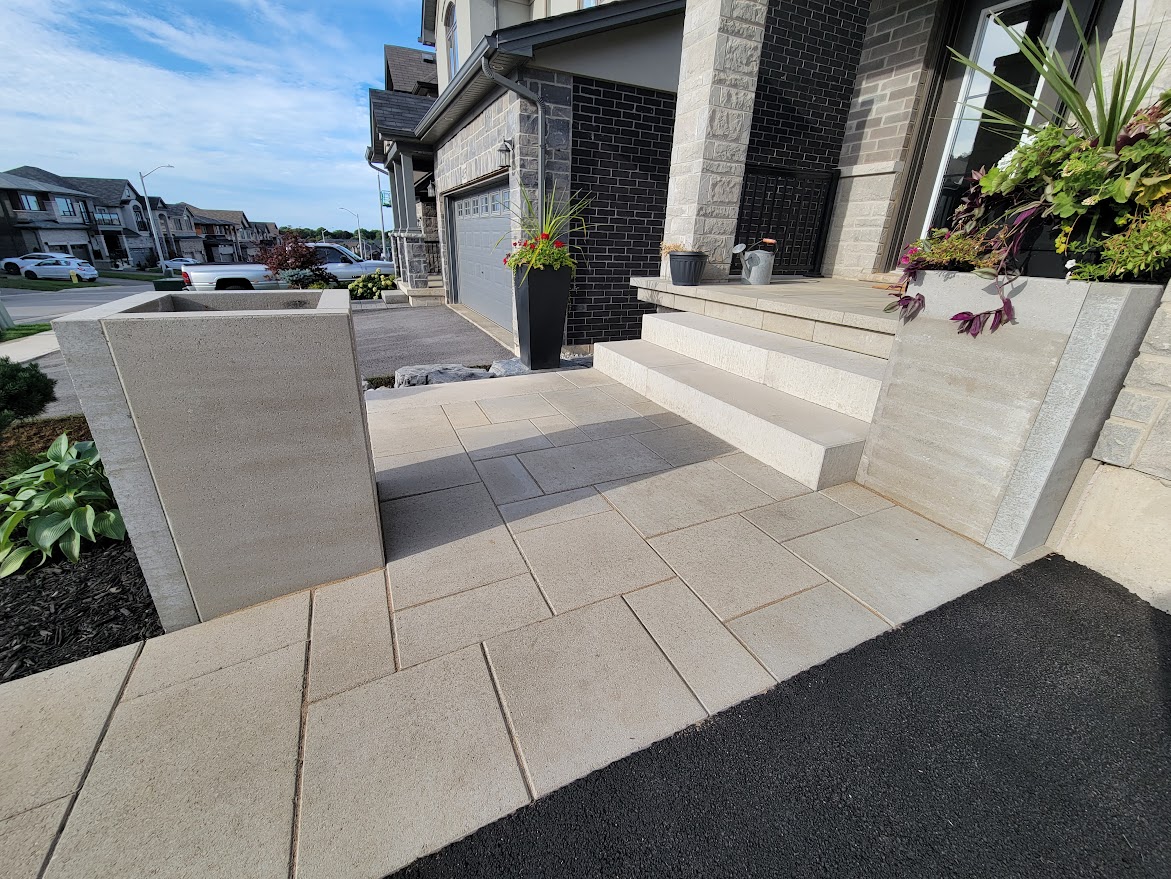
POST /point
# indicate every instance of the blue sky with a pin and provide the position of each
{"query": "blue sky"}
(259, 104)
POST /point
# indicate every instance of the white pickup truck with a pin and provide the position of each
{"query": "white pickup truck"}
(344, 264)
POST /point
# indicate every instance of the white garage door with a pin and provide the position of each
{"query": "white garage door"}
(484, 282)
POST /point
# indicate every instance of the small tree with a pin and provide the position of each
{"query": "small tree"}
(296, 263)
(25, 391)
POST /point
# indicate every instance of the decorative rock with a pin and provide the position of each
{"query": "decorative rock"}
(436, 374)
(513, 366)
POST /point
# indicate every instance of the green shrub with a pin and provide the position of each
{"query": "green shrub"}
(56, 504)
(304, 279)
(25, 391)
(371, 286)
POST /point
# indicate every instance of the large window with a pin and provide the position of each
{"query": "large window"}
(65, 207)
(452, 40)
(29, 202)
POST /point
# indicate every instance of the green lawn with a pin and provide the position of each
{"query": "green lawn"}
(132, 276)
(23, 330)
(14, 282)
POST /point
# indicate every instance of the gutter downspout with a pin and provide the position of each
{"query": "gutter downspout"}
(513, 86)
(381, 214)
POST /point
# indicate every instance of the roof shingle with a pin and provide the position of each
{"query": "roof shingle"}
(406, 68)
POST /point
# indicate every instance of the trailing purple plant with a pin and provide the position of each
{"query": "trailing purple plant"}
(974, 324)
(908, 305)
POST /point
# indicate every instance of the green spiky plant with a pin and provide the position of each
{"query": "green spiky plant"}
(1114, 99)
(542, 243)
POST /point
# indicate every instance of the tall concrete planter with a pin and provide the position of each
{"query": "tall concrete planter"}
(233, 430)
(985, 435)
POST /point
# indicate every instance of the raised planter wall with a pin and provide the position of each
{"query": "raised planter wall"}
(233, 431)
(987, 435)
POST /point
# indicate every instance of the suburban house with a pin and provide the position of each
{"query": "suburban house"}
(39, 215)
(176, 227)
(220, 233)
(835, 129)
(123, 231)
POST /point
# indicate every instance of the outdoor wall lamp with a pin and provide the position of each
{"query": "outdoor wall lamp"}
(505, 151)
(431, 190)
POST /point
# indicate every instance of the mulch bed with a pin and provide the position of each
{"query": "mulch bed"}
(62, 612)
(33, 437)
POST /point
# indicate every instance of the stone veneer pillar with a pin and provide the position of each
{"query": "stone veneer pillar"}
(717, 86)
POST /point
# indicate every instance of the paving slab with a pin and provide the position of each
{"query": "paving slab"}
(409, 430)
(551, 509)
(800, 515)
(560, 431)
(445, 542)
(25, 839)
(423, 471)
(685, 496)
(686, 444)
(769, 480)
(225, 641)
(733, 566)
(664, 418)
(517, 408)
(196, 781)
(587, 378)
(351, 639)
(448, 624)
(402, 766)
(586, 689)
(466, 414)
(576, 466)
(714, 664)
(590, 406)
(50, 724)
(899, 563)
(806, 629)
(507, 480)
(495, 440)
(585, 560)
(628, 396)
(857, 499)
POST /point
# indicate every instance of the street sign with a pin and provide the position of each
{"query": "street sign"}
(385, 197)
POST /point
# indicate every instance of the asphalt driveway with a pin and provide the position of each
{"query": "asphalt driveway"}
(1023, 730)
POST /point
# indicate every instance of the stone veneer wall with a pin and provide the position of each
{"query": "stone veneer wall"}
(807, 65)
(621, 157)
(1118, 517)
(889, 95)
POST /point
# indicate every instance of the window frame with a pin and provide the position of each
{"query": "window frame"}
(30, 198)
(451, 36)
(66, 206)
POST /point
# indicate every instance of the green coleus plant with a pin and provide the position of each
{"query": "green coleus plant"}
(55, 505)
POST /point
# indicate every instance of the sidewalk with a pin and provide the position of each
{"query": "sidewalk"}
(30, 347)
(573, 574)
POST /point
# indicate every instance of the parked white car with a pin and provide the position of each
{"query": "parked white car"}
(62, 269)
(14, 265)
(179, 263)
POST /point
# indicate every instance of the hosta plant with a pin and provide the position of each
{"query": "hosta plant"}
(371, 286)
(55, 505)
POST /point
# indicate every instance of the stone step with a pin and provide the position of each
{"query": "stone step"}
(812, 444)
(427, 298)
(841, 314)
(841, 380)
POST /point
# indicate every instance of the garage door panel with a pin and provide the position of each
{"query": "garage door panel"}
(482, 229)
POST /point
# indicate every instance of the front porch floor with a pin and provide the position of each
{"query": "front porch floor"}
(573, 574)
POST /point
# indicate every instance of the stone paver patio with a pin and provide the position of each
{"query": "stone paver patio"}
(573, 573)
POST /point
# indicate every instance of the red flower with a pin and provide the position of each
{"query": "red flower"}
(506, 260)
(544, 236)
(558, 243)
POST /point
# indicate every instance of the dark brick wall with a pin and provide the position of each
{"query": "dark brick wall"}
(807, 67)
(621, 158)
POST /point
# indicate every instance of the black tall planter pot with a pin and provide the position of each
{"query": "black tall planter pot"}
(542, 296)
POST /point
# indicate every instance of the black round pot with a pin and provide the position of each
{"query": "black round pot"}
(687, 267)
(542, 296)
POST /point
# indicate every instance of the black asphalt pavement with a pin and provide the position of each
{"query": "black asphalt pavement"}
(395, 337)
(1023, 730)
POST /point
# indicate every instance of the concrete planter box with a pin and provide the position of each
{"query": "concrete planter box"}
(234, 434)
(986, 435)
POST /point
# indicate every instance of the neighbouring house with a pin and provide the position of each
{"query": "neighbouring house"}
(220, 231)
(831, 126)
(39, 215)
(268, 233)
(119, 212)
(176, 227)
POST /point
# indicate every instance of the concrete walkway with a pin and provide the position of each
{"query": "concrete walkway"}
(30, 347)
(573, 574)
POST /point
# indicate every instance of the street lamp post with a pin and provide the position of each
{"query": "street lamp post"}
(358, 220)
(150, 214)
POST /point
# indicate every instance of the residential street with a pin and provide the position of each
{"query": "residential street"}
(37, 306)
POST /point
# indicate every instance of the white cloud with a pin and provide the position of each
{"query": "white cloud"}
(270, 118)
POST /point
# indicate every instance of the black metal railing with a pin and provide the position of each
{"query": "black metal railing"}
(794, 207)
(431, 246)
